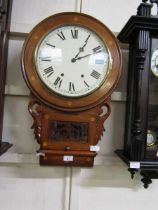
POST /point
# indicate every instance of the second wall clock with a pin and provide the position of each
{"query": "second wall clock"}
(140, 150)
(71, 63)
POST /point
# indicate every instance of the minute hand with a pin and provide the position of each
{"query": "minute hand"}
(81, 49)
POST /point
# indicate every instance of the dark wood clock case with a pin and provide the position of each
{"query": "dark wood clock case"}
(141, 32)
(5, 17)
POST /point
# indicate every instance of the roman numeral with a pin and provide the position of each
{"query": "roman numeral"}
(61, 35)
(58, 82)
(46, 59)
(97, 49)
(50, 44)
(74, 33)
(71, 86)
(95, 74)
(49, 71)
(86, 83)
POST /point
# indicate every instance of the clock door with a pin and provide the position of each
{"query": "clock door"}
(152, 131)
(62, 131)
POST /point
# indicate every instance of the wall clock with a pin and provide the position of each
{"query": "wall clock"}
(71, 63)
(5, 17)
(140, 150)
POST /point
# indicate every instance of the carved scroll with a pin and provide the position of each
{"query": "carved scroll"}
(103, 113)
(35, 110)
(99, 113)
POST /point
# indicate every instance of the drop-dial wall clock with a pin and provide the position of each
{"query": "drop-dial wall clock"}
(71, 63)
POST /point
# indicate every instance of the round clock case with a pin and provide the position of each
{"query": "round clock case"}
(71, 61)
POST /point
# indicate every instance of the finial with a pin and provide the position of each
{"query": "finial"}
(144, 8)
(156, 2)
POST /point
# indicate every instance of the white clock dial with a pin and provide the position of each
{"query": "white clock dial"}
(72, 61)
(154, 63)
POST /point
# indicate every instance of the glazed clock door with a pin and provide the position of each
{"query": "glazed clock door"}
(68, 132)
(152, 131)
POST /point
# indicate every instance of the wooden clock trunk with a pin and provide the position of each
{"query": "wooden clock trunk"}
(67, 139)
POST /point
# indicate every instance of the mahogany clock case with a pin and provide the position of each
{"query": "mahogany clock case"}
(67, 127)
(36, 85)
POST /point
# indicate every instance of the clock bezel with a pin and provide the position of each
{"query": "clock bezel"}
(37, 86)
(109, 66)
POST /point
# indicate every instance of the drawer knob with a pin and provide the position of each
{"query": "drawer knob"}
(67, 148)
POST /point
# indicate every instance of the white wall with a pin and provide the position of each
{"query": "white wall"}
(24, 185)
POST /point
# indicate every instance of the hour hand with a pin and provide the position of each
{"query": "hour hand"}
(81, 49)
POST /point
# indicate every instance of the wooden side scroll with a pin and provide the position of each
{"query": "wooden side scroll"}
(35, 110)
(101, 117)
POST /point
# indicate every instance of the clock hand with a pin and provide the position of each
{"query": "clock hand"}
(73, 60)
(81, 49)
(79, 58)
